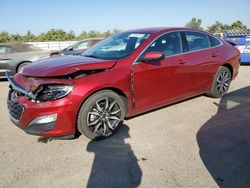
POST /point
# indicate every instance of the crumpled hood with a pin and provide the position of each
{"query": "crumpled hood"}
(64, 65)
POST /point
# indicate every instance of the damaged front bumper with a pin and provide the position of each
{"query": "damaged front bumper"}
(50, 119)
(15, 86)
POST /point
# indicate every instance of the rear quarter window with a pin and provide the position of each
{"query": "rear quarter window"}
(214, 41)
(6, 50)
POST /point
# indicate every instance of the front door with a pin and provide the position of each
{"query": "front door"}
(157, 83)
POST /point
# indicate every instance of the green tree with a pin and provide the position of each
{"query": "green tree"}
(55, 35)
(238, 25)
(107, 33)
(216, 27)
(82, 36)
(92, 34)
(219, 27)
(115, 31)
(40, 37)
(17, 38)
(29, 37)
(70, 35)
(226, 27)
(194, 23)
(4, 37)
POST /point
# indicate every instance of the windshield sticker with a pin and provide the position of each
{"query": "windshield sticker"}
(137, 35)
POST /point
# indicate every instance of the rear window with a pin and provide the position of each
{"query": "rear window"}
(213, 41)
(196, 41)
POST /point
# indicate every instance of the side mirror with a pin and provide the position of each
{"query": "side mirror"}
(152, 56)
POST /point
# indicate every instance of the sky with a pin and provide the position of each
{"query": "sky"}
(19, 16)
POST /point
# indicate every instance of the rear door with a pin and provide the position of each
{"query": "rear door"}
(158, 83)
(203, 60)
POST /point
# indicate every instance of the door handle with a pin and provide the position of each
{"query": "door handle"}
(214, 54)
(182, 62)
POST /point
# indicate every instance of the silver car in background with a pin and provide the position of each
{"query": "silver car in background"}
(14, 56)
(78, 47)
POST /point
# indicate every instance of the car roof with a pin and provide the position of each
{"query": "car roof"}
(94, 38)
(20, 47)
(162, 29)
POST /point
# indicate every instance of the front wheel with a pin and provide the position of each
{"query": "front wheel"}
(101, 114)
(221, 82)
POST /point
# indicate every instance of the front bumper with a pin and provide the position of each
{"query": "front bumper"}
(23, 112)
(3, 71)
(7, 66)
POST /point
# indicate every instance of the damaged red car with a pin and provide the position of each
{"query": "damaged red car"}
(124, 75)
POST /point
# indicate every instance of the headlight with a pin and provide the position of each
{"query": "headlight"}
(52, 92)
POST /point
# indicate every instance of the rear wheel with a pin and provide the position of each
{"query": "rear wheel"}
(101, 114)
(221, 82)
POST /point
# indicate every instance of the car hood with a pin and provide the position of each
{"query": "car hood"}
(65, 65)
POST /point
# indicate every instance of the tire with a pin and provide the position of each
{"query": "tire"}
(221, 82)
(21, 66)
(101, 114)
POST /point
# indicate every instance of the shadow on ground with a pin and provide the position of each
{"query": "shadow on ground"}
(224, 141)
(115, 164)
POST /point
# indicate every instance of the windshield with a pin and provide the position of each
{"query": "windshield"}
(117, 46)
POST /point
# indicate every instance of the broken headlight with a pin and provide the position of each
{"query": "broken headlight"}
(52, 92)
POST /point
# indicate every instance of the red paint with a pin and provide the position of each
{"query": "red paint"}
(63, 65)
(169, 80)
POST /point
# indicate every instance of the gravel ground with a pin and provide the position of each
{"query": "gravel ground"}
(201, 142)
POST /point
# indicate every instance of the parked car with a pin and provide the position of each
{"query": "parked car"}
(124, 75)
(241, 38)
(79, 47)
(14, 56)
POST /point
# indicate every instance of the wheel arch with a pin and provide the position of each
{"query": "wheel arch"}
(22, 63)
(118, 91)
(121, 94)
(227, 65)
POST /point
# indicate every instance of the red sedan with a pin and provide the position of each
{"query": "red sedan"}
(124, 75)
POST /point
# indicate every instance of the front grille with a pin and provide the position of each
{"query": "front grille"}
(15, 109)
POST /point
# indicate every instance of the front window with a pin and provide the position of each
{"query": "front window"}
(169, 44)
(117, 46)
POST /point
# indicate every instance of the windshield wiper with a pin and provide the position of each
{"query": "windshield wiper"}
(93, 56)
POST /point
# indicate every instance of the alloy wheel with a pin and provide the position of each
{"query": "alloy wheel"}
(223, 82)
(104, 117)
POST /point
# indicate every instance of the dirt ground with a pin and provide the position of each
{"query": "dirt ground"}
(201, 142)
